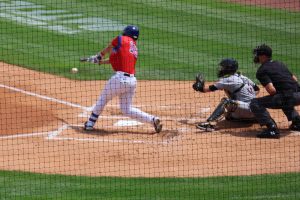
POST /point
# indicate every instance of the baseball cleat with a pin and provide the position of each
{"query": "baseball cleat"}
(88, 126)
(206, 126)
(157, 125)
(269, 133)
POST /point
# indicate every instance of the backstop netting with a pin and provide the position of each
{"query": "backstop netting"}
(92, 129)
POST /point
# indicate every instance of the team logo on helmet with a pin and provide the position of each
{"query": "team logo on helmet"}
(260, 50)
(131, 31)
(227, 66)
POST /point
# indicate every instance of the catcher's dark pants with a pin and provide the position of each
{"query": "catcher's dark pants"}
(286, 102)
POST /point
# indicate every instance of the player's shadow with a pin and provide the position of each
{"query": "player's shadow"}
(248, 129)
(238, 128)
(105, 132)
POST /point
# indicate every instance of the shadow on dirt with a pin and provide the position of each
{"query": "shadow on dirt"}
(248, 129)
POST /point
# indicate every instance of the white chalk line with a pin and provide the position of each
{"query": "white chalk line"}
(24, 135)
(45, 97)
(109, 140)
(54, 134)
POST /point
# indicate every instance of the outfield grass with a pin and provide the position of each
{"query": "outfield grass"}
(178, 38)
(20, 185)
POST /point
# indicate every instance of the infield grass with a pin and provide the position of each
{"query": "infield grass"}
(20, 185)
(178, 38)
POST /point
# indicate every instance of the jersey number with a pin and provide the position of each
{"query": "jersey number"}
(133, 49)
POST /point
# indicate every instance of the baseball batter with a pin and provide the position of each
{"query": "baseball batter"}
(239, 89)
(123, 54)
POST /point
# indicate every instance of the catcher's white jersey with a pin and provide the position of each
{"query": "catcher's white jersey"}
(238, 87)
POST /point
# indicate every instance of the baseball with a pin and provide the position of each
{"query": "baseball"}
(74, 70)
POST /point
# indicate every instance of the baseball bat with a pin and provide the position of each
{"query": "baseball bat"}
(84, 59)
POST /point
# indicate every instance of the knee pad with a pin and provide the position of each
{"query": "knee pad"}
(231, 106)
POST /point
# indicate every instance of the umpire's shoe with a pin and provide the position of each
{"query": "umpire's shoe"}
(271, 133)
(157, 125)
(295, 126)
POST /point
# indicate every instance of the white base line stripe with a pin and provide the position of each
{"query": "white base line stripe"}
(54, 134)
(107, 140)
(24, 135)
(45, 97)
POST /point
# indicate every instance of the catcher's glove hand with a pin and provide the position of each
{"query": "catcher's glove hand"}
(199, 84)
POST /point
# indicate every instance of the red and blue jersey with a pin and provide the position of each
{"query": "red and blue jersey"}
(124, 54)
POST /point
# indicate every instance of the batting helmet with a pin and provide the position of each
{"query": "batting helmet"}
(260, 50)
(131, 31)
(227, 66)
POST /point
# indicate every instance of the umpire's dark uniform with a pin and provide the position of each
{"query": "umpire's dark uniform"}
(286, 97)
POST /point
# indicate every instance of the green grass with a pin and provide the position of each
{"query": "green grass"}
(21, 185)
(178, 38)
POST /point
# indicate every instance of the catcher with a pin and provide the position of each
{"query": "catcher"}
(239, 89)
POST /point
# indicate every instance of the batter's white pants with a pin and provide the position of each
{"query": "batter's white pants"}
(123, 87)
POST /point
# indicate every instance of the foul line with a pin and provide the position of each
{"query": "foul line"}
(45, 97)
(24, 135)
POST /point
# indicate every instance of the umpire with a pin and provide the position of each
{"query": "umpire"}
(283, 89)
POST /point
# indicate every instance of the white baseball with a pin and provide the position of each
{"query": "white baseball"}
(74, 70)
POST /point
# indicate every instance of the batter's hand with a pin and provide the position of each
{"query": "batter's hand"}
(92, 59)
(200, 82)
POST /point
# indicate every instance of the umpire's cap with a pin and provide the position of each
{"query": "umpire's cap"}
(263, 49)
(131, 31)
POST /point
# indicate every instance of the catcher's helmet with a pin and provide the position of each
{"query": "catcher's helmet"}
(131, 31)
(260, 50)
(227, 66)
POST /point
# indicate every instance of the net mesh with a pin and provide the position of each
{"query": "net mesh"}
(91, 130)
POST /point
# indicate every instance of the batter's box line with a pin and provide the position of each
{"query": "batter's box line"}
(56, 135)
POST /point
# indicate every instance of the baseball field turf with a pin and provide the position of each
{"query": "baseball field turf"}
(20, 185)
(177, 40)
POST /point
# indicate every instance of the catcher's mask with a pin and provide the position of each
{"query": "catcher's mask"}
(131, 31)
(260, 50)
(227, 66)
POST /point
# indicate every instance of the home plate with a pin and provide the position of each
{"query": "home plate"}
(127, 123)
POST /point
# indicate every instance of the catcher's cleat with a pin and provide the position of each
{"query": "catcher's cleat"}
(295, 126)
(271, 133)
(157, 125)
(206, 126)
(88, 126)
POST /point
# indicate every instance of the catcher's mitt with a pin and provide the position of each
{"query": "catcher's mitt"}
(199, 84)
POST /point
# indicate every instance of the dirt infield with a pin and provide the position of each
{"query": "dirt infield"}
(41, 131)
